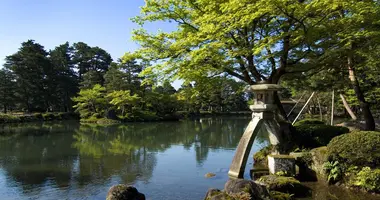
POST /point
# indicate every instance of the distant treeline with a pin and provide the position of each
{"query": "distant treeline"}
(85, 79)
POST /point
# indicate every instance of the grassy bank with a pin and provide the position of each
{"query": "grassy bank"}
(190, 115)
(34, 117)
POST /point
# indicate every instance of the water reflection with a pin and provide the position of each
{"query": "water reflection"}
(69, 156)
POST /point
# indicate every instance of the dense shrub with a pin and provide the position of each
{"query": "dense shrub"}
(367, 179)
(308, 121)
(316, 135)
(360, 148)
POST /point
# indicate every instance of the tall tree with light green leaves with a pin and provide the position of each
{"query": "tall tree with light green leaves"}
(91, 103)
(253, 41)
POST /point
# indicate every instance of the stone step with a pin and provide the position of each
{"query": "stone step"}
(256, 173)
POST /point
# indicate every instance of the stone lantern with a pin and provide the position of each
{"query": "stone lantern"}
(263, 116)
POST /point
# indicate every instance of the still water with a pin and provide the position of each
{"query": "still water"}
(66, 160)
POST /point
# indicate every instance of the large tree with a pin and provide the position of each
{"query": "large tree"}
(7, 89)
(30, 65)
(253, 41)
(91, 63)
(63, 80)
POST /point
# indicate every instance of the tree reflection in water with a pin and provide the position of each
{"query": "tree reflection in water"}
(68, 154)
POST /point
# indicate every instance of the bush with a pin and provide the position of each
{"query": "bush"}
(4, 118)
(48, 116)
(360, 148)
(261, 157)
(308, 121)
(316, 135)
(334, 171)
(368, 180)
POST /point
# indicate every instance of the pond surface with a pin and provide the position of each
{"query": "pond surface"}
(168, 160)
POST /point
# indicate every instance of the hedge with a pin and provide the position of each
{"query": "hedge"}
(316, 135)
(361, 148)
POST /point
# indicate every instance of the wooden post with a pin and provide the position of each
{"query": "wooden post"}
(332, 109)
(296, 104)
(320, 108)
(299, 114)
(352, 114)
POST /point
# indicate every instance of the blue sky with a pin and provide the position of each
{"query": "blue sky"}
(103, 23)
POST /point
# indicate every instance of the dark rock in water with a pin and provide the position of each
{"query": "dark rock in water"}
(124, 192)
(256, 191)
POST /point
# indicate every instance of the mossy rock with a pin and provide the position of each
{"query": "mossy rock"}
(360, 148)
(209, 175)
(280, 196)
(284, 184)
(124, 192)
(104, 121)
(215, 194)
(319, 156)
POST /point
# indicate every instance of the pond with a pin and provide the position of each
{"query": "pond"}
(165, 160)
(168, 160)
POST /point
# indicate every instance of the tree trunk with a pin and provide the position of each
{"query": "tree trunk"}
(280, 108)
(5, 108)
(368, 118)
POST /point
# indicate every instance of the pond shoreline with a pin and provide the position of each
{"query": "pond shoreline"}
(63, 116)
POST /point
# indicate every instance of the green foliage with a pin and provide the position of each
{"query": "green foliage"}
(281, 196)
(4, 118)
(261, 157)
(334, 171)
(368, 179)
(360, 148)
(123, 100)
(282, 173)
(9, 118)
(284, 184)
(91, 102)
(48, 116)
(7, 89)
(244, 39)
(308, 121)
(316, 135)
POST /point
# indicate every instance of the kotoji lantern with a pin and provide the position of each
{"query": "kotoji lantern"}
(263, 117)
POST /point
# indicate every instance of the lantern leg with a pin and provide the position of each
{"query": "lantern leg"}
(275, 139)
(244, 147)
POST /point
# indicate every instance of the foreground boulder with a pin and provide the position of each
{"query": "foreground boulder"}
(239, 189)
(124, 192)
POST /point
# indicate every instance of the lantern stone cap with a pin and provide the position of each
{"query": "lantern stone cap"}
(269, 87)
